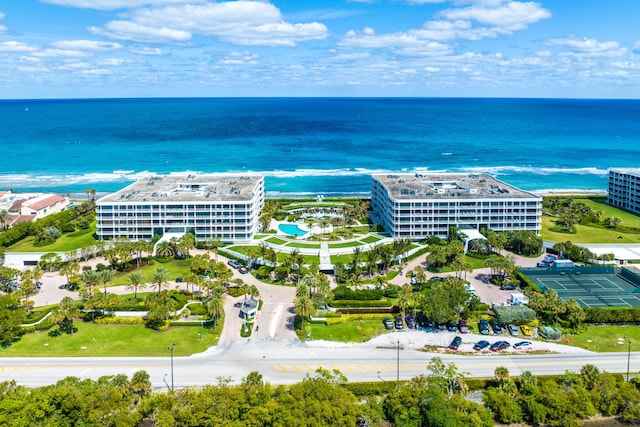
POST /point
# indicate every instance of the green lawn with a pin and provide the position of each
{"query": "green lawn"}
(600, 204)
(303, 245)
(355, 331)
(276, 241)
(148, 271)
(113, 340)
(67, 242)
(371, 239)
(586, 234)
(345, 245)
(606, 338)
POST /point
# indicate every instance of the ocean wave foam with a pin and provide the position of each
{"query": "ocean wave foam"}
(27, 180)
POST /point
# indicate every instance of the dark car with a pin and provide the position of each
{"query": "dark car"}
(452, 327)
(441, 327)
(388, 323)
(481, 345)
(508, 287)
(437, 278)
(178, 279)
(411, 321)
(455, 343)
(542, 264)
(499, 345)
(421, 320)
(462, 325)
(483, 327)
(497, 329)
(398, 323)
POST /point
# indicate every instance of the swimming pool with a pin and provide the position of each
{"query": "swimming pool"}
(291, 229)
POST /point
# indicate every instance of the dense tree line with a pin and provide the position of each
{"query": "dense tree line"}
(438, 398)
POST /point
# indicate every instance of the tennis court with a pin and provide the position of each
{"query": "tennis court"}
(590, 286)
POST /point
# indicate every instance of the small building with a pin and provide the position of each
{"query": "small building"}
(249, 308)
(518, 298)
(563, 263)
(44, 205)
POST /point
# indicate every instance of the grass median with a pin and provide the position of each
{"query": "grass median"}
(606, 338)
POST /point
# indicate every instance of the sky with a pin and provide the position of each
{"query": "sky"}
(342, 48)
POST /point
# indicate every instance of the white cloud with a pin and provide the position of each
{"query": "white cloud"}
(113, 62)
(146, 50)
(117, 4)
(512, 15)
(408, 43)
(586, 47)
(14, 46)
(59, 53)
(240, 58)
(432, 69)
(424, 1)
(91, 45)
(240, 22)
(127, 30)
(626, 65)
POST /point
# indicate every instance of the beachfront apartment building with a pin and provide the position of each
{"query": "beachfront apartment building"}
(418, 206)
(624, 189)
(221, 207)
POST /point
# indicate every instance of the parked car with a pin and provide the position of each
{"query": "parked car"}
(399, 324)
(462, 325)
(483, 327)
(455, 343)
(481, 345)
(508, 288)
(421, 320)
(523, 345)
(413, 281)
(513, 329)
(243, 270)
(437, 278)
(388, 323)
(452, 327)
(235, 264)
(542, 264)
(411, 321)
(178, 279)
(497, 329)
(526, 330)
(499, 346)
(441, 327)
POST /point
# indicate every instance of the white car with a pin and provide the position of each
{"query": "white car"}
(522, 345)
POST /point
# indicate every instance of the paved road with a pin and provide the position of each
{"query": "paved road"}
(283, 362)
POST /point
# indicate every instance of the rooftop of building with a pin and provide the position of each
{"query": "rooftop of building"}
(630, 171)
(44, 201)
(186, 188)
(449, 186)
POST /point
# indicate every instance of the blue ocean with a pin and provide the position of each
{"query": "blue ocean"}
(308, 146)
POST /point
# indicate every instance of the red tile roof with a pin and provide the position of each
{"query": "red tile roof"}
(45, 203)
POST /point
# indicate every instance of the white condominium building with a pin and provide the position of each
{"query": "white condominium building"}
(417, 206)
(624, 189)
(223, 207)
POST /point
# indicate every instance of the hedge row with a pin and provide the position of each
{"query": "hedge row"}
(345, 293)
(612, 314)
(359, 303)
(525, 280)
(370, 310)
(115, 320)
(354, 317)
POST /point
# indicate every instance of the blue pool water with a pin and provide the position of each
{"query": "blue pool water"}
(291, 229)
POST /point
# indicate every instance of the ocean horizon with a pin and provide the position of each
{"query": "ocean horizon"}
(310, 146)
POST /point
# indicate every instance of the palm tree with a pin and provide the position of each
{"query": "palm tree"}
(70, 269)
(160, 279)
(65, 313)
(3, 218)
(165, 249)
(136, 281)
(91, 279)
(303, 306)
(106, 276)
(254, 292)
(215, 305)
